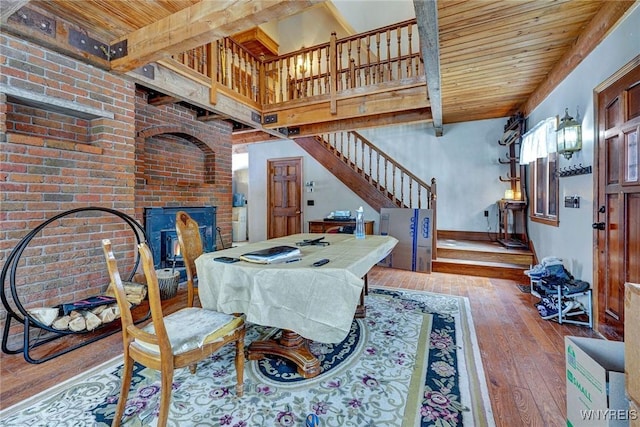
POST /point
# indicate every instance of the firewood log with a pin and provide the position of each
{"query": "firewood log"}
(107, 315)
(75, 314)
(92, 321)
(78, 324)
(62, 323)
(131, 288)
(99, 309)
(45, 315)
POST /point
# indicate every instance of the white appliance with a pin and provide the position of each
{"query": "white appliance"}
(239, 224)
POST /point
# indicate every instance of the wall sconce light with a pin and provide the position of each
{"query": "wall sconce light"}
(569, 135)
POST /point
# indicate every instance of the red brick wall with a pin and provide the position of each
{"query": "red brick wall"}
(51, 162)
(182, 162)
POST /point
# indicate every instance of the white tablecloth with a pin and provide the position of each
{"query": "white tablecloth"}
(316, 302)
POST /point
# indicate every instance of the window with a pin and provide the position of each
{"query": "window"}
(545, 187)
(539, 153)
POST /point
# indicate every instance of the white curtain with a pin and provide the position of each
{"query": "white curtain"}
(539, 141)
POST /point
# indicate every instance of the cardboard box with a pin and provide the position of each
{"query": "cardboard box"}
(634, 412)
(632, 339)
(413, 229)
(595, 383)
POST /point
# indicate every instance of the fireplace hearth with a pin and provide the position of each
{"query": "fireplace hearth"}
(160, 227)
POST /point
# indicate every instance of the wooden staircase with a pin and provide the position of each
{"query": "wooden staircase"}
(482, 258)
(383, 183)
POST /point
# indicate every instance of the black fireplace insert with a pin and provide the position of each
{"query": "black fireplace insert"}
(160, 227)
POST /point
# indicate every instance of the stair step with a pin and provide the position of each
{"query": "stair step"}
(505, 256)
(497, 270)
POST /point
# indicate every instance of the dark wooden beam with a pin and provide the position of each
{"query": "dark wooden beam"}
(427, 17)
(596, 31)
(364, 104)
(33, 24)
(9, 7)
(158, 100)
(253, 137)
(366, 122)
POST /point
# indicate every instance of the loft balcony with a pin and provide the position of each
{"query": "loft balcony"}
(369, 79)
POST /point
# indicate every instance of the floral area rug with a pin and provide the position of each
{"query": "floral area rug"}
(413, 361)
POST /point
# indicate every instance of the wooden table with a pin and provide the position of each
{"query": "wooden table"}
(306, 302)
(322, 225)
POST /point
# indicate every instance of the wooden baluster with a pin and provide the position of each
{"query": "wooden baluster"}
(410, 193)
(379, 77)
(229, 63)
(370, 166)
(419, 197)
(389, 55)
(351, 75)
(281, 83)
(340, 82)
(242, 73)
(399, 41)
(410, 60)
(386, 186)
(290, 80)
(402, 187)
(359, 72)
(378, 169)
(362, 149)
(342, 146)
(367, 71)
(393, 183)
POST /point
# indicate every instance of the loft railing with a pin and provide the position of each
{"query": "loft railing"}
(388, 176)
(383, 56)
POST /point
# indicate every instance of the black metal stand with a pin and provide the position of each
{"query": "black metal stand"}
(18, 313)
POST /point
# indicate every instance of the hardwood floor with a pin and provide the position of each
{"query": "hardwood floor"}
(523, 355)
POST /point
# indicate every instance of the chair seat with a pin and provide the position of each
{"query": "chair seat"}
(204, 326)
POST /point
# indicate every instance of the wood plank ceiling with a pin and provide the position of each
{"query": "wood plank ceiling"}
(496, 57)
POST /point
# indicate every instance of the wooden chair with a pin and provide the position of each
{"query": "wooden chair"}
(169, 342)
(190, 248)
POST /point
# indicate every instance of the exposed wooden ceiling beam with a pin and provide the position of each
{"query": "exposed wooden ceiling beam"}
(198, 25)
(253, 137)
(363, 105)
(599, 27)
(427, 17)
(158, 100)
(365, 122)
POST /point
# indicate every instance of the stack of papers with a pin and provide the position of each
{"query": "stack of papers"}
(273, 255)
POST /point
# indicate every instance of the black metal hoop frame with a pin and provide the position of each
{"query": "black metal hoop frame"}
(10, 268)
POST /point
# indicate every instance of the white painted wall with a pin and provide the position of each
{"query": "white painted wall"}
(329, 193)
(464, 162)
(572, 240)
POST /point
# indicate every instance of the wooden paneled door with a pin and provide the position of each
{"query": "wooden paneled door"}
(617, 204)
(284, 197)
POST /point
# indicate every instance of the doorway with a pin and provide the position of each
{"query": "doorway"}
(284, 197)
(617, 196)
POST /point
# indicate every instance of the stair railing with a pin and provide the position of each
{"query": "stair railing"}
(388, 176)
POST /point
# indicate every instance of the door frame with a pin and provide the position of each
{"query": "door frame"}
(300, 160)
(598, 191)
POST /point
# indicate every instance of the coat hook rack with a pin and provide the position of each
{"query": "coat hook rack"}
(574, 170)
(508, 159)
(509, 178)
